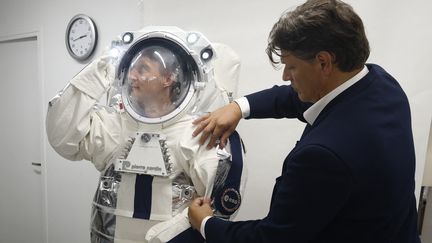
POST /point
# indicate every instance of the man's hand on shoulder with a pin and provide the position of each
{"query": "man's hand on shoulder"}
(218, 125)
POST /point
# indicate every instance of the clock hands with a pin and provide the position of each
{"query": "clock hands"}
(79, 37)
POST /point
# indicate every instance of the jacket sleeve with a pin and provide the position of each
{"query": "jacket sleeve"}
(77, 127)
(307, 196)
(276, 102)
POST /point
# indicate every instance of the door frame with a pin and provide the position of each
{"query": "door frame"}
(42, 170)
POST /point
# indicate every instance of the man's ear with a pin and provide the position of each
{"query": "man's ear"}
(325, 60)
(167, 82)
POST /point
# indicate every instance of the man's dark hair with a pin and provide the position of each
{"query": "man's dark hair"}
(169, 66)
(321, 25)
(168, 63)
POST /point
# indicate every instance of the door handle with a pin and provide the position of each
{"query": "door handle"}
(36, 164)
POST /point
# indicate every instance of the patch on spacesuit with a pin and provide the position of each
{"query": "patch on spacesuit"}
(230, 200)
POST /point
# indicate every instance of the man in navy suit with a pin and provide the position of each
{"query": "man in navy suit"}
(350, 177)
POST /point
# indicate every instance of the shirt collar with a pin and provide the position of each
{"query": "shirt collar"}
(312, 113)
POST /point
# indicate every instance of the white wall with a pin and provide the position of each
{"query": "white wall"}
(400, 42)
(427, 177)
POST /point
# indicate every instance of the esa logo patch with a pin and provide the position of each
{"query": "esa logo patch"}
(230, 200)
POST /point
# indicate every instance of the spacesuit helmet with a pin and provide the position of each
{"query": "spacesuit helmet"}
(162, 72)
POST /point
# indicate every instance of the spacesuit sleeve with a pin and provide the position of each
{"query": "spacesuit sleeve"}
(230, 179)
(211, 171)
(77, 127)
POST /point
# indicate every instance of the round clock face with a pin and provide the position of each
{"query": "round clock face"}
(81, 37)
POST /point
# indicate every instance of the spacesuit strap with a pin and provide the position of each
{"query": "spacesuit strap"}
(228, 199)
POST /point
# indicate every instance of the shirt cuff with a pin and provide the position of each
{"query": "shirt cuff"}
(202, 228)
(244, 106)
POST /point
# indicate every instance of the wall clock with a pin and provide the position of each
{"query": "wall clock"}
(81, 37)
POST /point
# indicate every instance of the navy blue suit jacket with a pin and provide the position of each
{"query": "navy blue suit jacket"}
(350, 178)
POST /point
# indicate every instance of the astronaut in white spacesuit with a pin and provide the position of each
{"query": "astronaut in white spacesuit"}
(156, 80)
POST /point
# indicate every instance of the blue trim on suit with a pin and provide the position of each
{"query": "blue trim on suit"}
(143, 196)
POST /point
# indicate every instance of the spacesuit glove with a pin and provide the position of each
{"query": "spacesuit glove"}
(96, 78)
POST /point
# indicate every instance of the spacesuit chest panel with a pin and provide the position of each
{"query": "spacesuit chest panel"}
(145, 153)
(123, 199)
(143, 191)
(133, 195)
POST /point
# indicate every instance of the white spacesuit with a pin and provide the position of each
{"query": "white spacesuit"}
(156, 80)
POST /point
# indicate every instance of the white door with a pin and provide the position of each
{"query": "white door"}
(21, 205)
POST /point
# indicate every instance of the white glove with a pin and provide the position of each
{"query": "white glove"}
(96, 78)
